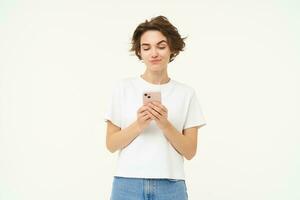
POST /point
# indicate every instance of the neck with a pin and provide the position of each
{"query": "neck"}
(157, 77)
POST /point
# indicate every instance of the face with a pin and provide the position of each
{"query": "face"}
(155, 50)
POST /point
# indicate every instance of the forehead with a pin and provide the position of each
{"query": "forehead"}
(152, 37)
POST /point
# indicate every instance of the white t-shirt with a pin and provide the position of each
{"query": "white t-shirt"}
(150, 155)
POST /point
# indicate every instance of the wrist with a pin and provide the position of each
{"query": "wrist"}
(168, 126)
(136, 127)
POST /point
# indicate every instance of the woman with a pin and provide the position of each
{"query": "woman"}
(153, 138)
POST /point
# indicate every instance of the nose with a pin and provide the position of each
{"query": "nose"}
(154, 53)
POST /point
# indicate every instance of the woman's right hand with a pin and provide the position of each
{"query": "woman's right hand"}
(143, 118)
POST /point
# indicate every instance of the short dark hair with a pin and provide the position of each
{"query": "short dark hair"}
(161, 24)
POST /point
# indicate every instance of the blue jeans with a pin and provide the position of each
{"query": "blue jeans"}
(148, 189)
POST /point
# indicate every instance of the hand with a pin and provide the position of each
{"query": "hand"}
(159, 113)
(143, 118)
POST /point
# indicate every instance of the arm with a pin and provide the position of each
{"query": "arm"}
(186, 143)
(117, 138)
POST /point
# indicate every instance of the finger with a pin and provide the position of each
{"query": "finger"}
(155, 113)
(151, 115)
(157, 103)
(146, 117)
(141, 109)
(143, 114)
(156, 109)
(162, 111)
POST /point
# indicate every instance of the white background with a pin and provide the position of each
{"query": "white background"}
(59, 60)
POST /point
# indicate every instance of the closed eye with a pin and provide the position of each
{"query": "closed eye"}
(158, 47)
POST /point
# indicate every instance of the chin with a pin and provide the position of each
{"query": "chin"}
(155, 67)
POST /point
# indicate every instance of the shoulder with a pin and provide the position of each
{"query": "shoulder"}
(183, 88)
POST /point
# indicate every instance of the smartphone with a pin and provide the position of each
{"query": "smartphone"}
(151, 96)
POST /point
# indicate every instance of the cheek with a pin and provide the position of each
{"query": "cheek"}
(144, 54)
(166, 55)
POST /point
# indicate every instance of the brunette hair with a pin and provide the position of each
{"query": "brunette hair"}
(162, 24)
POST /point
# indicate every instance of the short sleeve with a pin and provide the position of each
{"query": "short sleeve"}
(194, 117)
(113, 111)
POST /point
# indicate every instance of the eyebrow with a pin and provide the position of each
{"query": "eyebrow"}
(157, 43)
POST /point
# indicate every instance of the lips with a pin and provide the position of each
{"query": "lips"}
(155, 61)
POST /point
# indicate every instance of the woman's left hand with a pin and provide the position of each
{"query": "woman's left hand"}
(159, 113)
